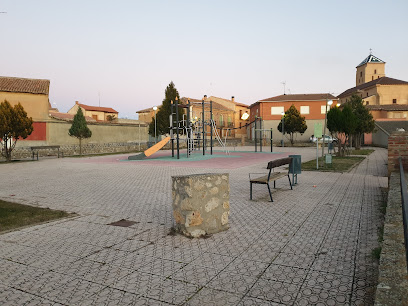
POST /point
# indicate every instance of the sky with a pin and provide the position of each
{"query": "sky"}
(123, 54)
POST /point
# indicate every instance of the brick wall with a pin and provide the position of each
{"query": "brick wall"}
(397, 146)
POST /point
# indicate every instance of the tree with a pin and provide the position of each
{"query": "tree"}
(111, 118)
(14, 124)
(79, 128)
(342, 122)
(335, 124)
(293, 123)
(365, 121)
(164, 112)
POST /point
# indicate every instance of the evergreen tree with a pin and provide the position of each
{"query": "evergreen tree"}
(365, 122)
(335, 124)
(14, 124)
(164, 111)
(342, 122)
(293, 123)
(79, 128)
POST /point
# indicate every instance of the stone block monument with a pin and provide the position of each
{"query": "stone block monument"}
(201, 203)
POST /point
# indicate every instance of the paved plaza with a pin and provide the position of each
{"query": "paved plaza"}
(311, 246)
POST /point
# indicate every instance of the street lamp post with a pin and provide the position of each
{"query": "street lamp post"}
(155, 124)
(283, 128)
(328, 102)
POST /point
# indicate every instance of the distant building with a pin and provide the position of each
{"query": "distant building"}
(310, 106)
(385, 97)
(96, 112)
(147, 114)
(33, 96)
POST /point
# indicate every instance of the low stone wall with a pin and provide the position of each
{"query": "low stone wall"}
(70, 150)
(397, 147)
(392, 286)
(201, 203)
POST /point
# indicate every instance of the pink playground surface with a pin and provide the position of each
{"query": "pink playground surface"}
(219, 160)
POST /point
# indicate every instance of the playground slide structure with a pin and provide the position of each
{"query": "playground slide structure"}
(151, 150)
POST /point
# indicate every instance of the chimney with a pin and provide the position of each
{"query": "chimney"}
(76, 102)
(233, 99)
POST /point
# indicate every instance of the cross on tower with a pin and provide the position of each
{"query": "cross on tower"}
(371, 51)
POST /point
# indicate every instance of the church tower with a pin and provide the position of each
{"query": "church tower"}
(369, 69)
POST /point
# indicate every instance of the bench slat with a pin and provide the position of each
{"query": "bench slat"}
(264, 179)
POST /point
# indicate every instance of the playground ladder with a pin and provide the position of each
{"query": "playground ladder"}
(217, 136)
(190, 140)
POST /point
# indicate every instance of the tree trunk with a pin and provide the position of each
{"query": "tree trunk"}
(357, 139)
(80, 146)
(7, 150)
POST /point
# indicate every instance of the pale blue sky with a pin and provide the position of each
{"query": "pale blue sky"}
(129, 51)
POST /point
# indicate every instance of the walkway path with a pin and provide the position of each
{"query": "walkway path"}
(312, 245)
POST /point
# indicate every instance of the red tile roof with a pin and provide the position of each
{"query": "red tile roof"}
(236, 103)
(67, 117)
(388, 107)
(215, 105)
(380, 81)
(97, 108)
(22, 85)
(299, 97)
(147, 110)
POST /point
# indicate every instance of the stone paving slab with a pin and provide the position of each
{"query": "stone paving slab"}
(311, 245)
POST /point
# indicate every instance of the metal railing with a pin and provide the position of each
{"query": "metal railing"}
(404, 198)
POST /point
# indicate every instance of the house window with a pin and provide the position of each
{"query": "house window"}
(367, 102)
(221, 120)
(304, 110)
(277, 110)
(323, 107)
(394, 101)
(375, 71)
(361, 74)
(95, 117)
(367, 94)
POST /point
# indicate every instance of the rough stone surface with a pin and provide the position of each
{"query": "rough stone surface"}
(392, 286)
(70, 150)
(202, 200)
(397, 147)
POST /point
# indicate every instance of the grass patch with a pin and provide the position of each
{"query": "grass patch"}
(361, 152)
(339, 164)
(13, 215)
(376, 253)
(15, 161)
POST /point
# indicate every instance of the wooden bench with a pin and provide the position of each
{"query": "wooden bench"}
(37, 148)
(272, 175)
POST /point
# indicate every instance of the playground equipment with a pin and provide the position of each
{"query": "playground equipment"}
(151, 150)
(199, 132)
(259, 132)
(196, 131)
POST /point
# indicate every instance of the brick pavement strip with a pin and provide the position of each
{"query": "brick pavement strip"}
(312, 245)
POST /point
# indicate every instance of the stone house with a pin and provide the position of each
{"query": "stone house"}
(96, 112)
(33, 96)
